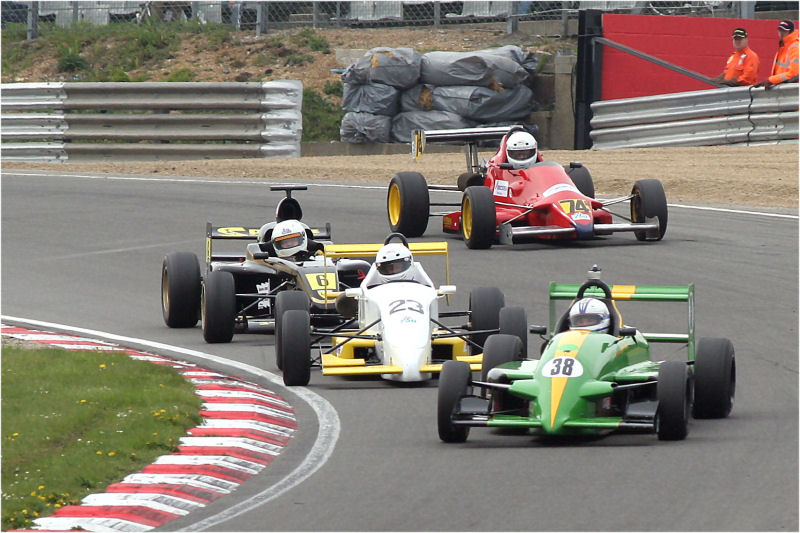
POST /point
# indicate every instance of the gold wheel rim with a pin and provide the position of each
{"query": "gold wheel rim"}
(394, 204)
(466, 218)
(165, 292)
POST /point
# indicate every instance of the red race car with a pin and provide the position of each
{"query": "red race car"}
(505, 203)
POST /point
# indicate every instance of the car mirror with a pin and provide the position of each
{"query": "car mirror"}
(627, 332)
(352, 293)
(447, 289)
(261, 255)
(538, 330)
(506, 166)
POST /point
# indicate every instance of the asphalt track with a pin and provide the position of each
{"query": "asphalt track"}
(86, 251)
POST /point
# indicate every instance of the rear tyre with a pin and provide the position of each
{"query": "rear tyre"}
(484, 311)
(296, 347)
(582, 179)
(286, 301)
(180, 289)
(674, 401)
(218, 306)
(500, 349)
(649, 201)
(454, 382)
(478, 217)
(514, 321)
(714, 378)
(408, 204)
(470, 179)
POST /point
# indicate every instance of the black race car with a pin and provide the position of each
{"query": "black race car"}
(247, 292)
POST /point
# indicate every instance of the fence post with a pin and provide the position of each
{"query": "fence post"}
(262, 14)
(33, 21)
(437, 13)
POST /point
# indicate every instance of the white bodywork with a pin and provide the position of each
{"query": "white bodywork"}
(404, 310)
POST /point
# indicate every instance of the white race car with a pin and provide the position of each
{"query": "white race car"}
(394, 329)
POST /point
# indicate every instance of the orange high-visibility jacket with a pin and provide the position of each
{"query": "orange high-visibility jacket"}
(742, 66)
(786, 63)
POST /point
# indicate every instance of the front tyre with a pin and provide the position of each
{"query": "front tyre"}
(218, 306)
(408, 204)
(296, 347)
(485, 304)
(714, 378)
(674, 401)
(581, 177)
(286, 301)
(478, 217)
(180, 289)
(649, 202)
(454, 382)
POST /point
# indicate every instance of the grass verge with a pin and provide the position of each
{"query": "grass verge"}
(74, 422)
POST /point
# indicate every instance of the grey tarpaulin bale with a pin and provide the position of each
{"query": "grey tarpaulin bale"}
(398, 67)
(417, 98)
(365, 128)
(471, 68)
(483, 104)
(404, 123)
(528, 61)
(375, 98)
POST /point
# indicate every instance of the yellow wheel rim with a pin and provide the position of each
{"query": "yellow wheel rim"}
(165, 293)
(394, 204)
(466, 218)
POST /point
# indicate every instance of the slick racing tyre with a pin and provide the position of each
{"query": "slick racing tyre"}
(649, 202)
(469, 179)
(714, 378)
(500, 349)
(408, 204)
(180, 289)
(453, 384)
(581, 177)
(478, 218)
(514, 321)
(674, 391)
(218, 306)
(485, 304)
(296, 347)
(286, 301)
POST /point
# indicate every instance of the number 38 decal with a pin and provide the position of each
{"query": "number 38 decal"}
(563, 367)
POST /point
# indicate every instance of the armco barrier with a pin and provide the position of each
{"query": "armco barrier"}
(699, 118)
(150, 121)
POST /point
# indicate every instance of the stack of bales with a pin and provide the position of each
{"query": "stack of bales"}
(389, 92)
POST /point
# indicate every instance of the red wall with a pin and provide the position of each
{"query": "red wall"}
(699, 44)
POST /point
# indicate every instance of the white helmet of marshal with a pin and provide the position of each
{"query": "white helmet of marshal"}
(521, 149)
(393, 262)
(288, 238)
(591, 314)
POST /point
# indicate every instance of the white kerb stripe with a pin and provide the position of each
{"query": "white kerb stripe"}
(137, 500)
(234, 463)
(232, 442)
(201, 482)
(66, 523)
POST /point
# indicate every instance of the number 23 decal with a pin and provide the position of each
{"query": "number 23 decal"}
(405, 305)
(567, 367)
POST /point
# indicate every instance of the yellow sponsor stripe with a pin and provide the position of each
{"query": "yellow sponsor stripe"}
(622, 292)
(557, 385)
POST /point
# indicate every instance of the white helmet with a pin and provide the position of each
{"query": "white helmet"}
(288, 238)
(521, 149)
(393, 262)
(591, 314)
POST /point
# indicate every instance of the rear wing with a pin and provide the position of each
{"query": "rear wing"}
(369, 250)
(468, 136)
(648, 293)
(245, 233)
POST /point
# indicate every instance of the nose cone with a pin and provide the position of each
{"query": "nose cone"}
(410, 359)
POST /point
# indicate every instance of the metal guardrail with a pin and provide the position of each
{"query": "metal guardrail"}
(150, 121)
(698, 118)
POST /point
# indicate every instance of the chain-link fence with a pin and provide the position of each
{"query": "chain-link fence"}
(263, 16)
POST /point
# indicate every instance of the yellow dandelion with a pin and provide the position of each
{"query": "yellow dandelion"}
(99, 452)
(155, 434)
(103, 365)
(83, 401)
(15, 434)
(112, 454)
(33, 493)
(41, 487)
(57, 506)
(24, 511)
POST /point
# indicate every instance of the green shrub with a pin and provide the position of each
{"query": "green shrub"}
(70, 59)
(321, 119)
(308, 37)
(333, 88)
(298, 59)
(182, 74)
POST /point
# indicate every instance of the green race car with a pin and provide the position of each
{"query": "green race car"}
(588, 383)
